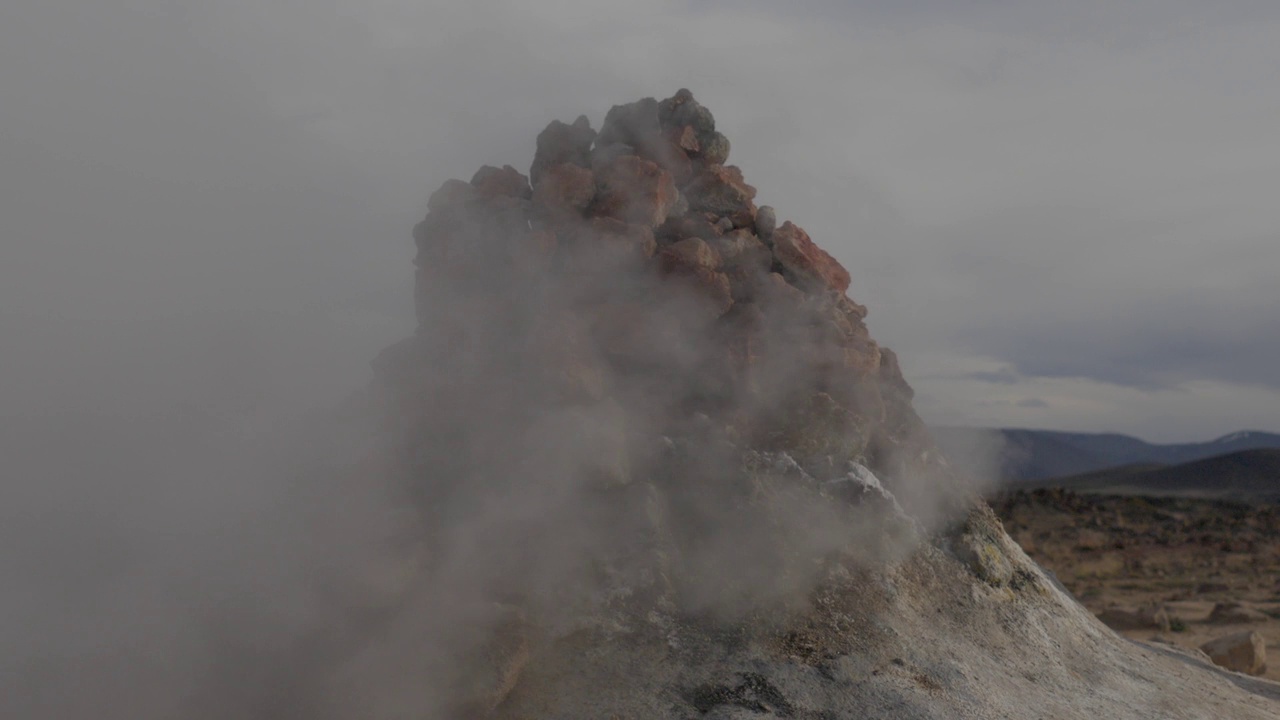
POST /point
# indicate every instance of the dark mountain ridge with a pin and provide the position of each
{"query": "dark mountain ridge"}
(1027, 455)
(1251, 476)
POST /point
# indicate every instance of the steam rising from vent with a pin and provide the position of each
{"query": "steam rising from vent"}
(633, 392)
(635, 404)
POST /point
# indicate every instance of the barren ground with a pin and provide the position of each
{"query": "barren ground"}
(1184, 554)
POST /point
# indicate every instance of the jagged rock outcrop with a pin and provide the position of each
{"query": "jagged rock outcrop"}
(644, 419)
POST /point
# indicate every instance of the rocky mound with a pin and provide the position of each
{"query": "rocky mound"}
(660, 469)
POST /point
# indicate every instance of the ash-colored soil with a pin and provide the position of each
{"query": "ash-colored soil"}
(924, 640)
(965, 626)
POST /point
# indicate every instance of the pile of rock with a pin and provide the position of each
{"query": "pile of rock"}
(646, 431)
(637, 269)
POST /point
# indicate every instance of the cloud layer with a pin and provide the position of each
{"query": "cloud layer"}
(1080, 195)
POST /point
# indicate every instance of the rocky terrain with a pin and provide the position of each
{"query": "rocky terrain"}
(1180, 570)
(653, 465)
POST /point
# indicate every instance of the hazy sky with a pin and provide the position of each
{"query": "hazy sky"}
(1061, 215)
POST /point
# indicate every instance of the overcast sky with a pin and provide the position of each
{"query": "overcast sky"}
(1062, 215)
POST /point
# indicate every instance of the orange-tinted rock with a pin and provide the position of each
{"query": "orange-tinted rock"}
(563, 192)
(684, 137)
(634, 190)
(490, 181)
(711, 290)
(687, 226)
(809, 265)
(721, 190)
(561, 143)
(693, 264)
(686, 255)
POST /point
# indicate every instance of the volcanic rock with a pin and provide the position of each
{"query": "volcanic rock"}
(563, 191)
(810, 266)
(635, 190)
(721, 190)
(663, 470)
(561, 143)
(491, 182)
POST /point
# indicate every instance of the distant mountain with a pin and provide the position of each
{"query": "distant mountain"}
(1245, 476)
(1025, 455)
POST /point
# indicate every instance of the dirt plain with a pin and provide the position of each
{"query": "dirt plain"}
(1187, 556)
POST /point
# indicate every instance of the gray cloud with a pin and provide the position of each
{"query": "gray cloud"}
(1059, 215)
(1004, 376)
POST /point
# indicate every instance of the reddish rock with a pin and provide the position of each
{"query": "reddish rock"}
(688, 254)
(452, 193)
(686, 226)
(563, 192)
(490, 181)
(744, 219)
(861, 356)
(634, 190)
(693, 264)
(684, 137)
(775, 290)
(711, 290)
(560, 143)
(721, 190)
(672, 159)
(810, 266)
